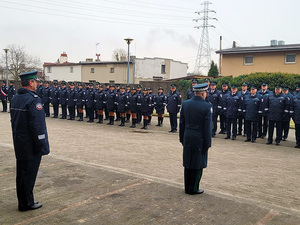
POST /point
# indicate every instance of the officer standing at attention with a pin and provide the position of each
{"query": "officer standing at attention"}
(46, 95)
(134, 100)
(286, 121)
(122, 105)
(63, 99)
(30, 139)
(277, 106)
(146, 104)
(139, 113)
(40, 88)
(296, 117)
(190, 93)
(100, 102)
(173, 107)
(222, 113)
(297, 90)
(106, 90)
(150, 93)
(111, 104)
(160, 102)
(3, 95)
(128, 113)
(71, 101)
(241, 117)
(90, 103)
(252, 109)
(11, 90)
(80, 100)
(195, 136)
(55, 99)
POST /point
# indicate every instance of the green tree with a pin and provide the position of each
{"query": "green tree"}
(213, 71)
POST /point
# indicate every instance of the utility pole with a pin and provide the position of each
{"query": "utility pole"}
(203, 59)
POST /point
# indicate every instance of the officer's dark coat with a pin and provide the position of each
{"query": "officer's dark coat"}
(28, 125)
(195, 132)
(173, 102)
(100, 99)
(11, 92)
(111, 100)
(277, 107)
(122, 100)
(134, 100)
(252, 107)
(190, 93)
(146, 104)
(55, 96)
(46, 94)
(63, 96)
(296, 109)
(160, 102)
(71, 97)
(264, 96)
(232, 105)
(214, 97)
(3, 93)
(223, 95)
(80, 98)
(90, 98)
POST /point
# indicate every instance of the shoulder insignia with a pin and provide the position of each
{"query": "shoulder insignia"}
(39, 106)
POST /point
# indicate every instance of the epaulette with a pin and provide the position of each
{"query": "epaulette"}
(34, 94)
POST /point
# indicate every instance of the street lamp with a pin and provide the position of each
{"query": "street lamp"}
(128, 41)
(6, 50)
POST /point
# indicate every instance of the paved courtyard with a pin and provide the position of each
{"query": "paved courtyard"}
(99, 174)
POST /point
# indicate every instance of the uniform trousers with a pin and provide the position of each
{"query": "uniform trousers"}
(26, 175)
(285, 128)
(278, 130)
(139, 115)
(191, 180)
(214, 123)
(222, 122)
(173, 121)
(46, 109)
(297, 133)
(241, 122)
(71, 111)
(55, 109)
(4, 104)
(64, 111)
(251, 129)
(262, 126)
(232, 121)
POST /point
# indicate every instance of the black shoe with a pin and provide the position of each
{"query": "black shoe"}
(33, 207)
(247, 140)
(174, 131)
(132, 126)
(170, 130)
(297, 146)
(199, 192)
(239, 133)
(263, 136)
(269, 143)
(277, 143)
(253, 141)
(228, 137)
(284, 139)
(90, 121)
(244, 135)
(221, 132)
(233, 138)
(80, 119)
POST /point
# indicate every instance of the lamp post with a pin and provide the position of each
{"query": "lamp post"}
(6, 50)
(128, 41)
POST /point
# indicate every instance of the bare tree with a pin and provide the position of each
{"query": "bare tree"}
(19, 61)
(119, 54)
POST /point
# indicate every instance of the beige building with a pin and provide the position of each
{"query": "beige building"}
(277, 57)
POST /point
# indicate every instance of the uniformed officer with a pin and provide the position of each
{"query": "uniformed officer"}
(87, 89)
(297, 91)
(63, 99)
(128, 113)
(134, 101)
(214, 97)
(286, 121)
(296, 117)
(111, 104)
(122, 100)
(232, 108)
(277, 106)
(146, 104)
(71, 100)
(160, 102)
(252, 109)
(195, 135)
(55, 99)
(3, 96)
(241, 117)
(90, 103)
(80, 100)
(100, 102)
(30, 138)
(106, 90)
(222, 113)
(96, 89)
(263, 119)
(150, 93)
(46, 98)
(190, 93)
(11, 90)
(117, 90)
(40, 88)
(173, 107)
(139, 114)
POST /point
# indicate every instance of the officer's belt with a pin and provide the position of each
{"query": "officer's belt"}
(193, 127)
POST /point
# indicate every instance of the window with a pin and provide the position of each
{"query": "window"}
(111, 82)
(248, 60)
(112, 70)
(92, 70)
(49, 69)
(163, 68)
(290, 58)
(71, 69)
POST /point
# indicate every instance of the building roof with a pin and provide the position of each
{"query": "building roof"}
(260, 49)
(61, 64)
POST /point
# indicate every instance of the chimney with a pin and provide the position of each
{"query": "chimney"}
(233, 44)
(63, 58)
(98, 58)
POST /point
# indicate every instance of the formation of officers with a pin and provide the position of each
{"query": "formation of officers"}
(109, 102)
(250, 112)
(256, 113)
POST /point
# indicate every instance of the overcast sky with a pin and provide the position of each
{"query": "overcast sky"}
(160, 28)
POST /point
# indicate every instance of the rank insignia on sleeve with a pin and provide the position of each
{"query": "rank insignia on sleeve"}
(39, 106)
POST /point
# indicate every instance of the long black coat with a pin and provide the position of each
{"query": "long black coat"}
(28, 125)
(195, 132)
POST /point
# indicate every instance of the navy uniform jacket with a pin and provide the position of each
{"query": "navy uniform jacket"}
(28, 125)
(252, 107)
(296, 108)
(39, 90)
(152, 102)
(90, 98)
(55, 96)
(190, 93)
(134, 101)
(296, 93)
(100, 99)
(173, 102)
(11, 92)
(80, 98)
(122, 100)
(3, 93)
(290, 102)
(223, 95)
(160, 101)
(71, 97)
(146, 103)
(277, 107)
(111, 100)
(232, 105)
(214, 97)
(63, 96)
(195, 132)
(264, 96)
(46, 95)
